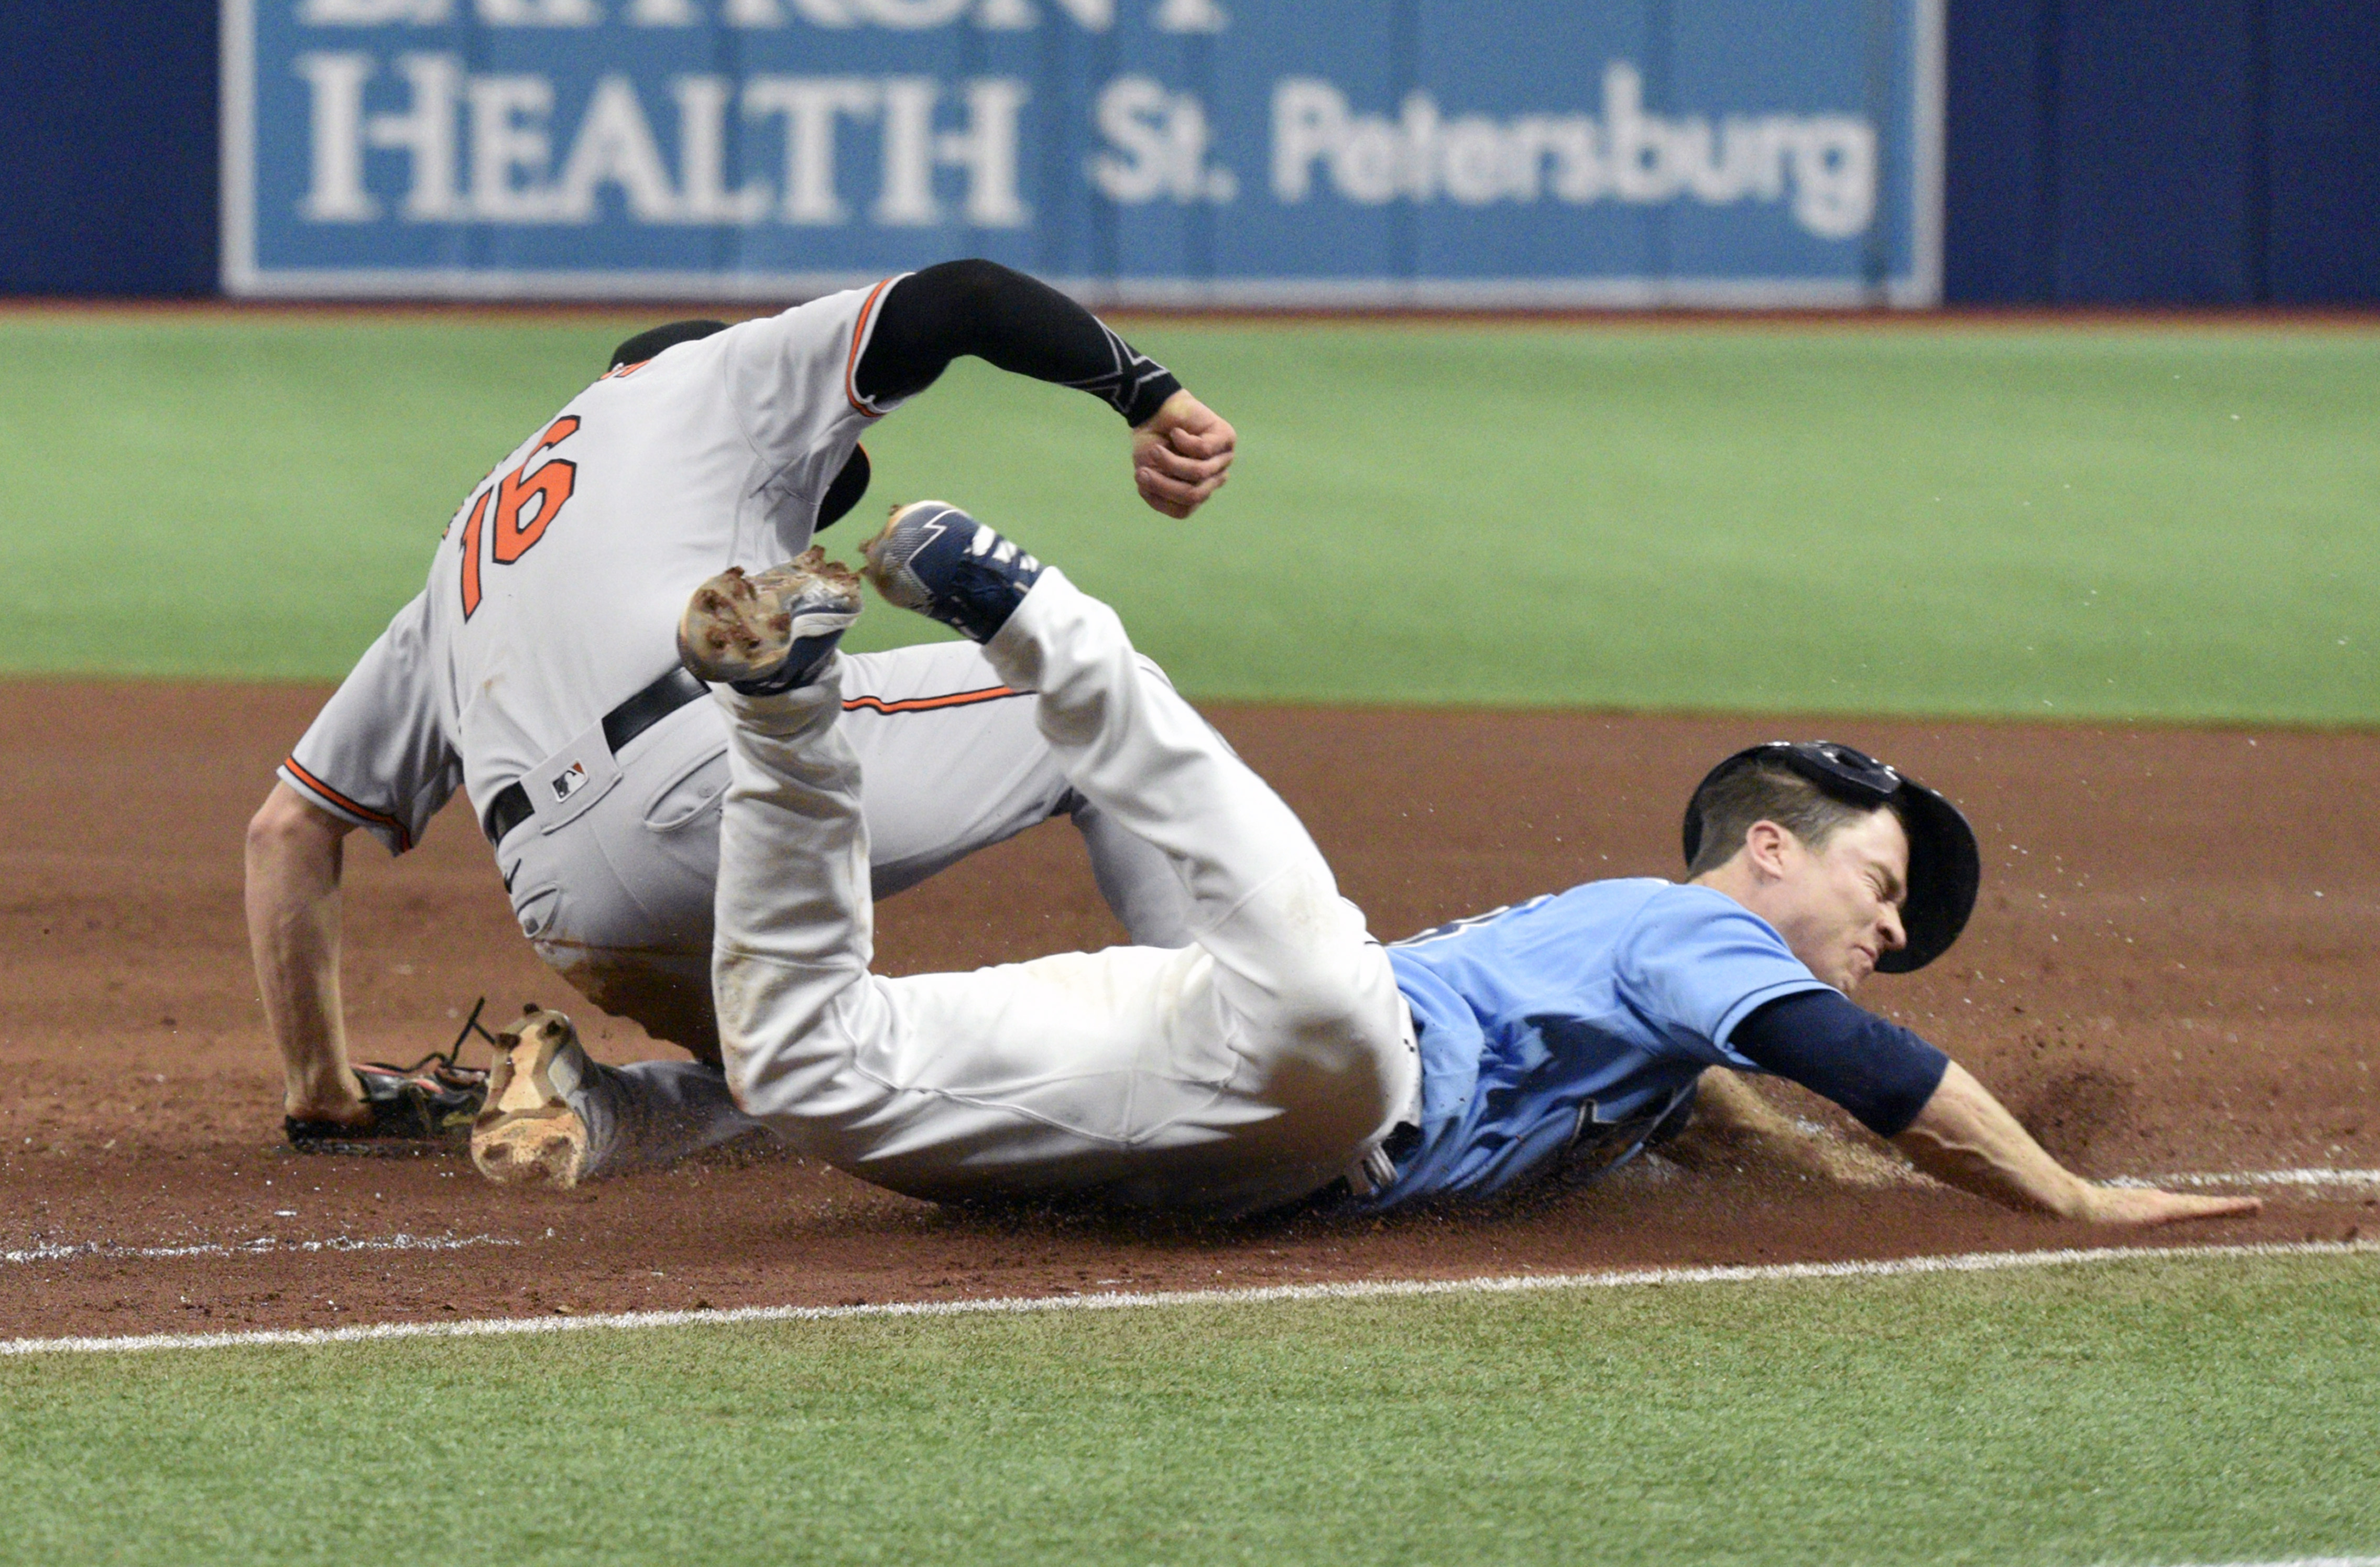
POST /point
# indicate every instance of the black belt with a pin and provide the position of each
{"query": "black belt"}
(622, 725)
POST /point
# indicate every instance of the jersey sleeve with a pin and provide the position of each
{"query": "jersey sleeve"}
(1696, 963)
(377, 755)
(1004, 318)
(1880, 1072)
(791, 376)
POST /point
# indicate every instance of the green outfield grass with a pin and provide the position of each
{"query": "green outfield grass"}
(2148, 1413)
(2111, 521)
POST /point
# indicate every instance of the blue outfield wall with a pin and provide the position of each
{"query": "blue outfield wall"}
(108, 166)
(1263, 151)
(2179, 152)
(2222, 152)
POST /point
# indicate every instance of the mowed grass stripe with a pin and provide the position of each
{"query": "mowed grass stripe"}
(2090, 522)
(2153, 1412)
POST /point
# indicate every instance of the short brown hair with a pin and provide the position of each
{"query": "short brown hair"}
(1766, 791)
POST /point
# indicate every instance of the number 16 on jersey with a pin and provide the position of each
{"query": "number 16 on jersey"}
(525, 501)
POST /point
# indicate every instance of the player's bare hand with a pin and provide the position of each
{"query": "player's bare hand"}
(2145, 1205)
(1181, 456)
(328, 1105)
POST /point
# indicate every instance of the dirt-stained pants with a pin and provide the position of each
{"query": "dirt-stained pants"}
(1244, 1071)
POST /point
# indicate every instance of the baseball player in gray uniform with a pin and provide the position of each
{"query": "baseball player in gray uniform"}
(537, 671)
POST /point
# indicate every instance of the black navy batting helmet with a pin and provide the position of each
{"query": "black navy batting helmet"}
(1945, 867)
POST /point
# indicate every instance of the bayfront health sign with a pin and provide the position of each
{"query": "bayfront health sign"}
(1166, 152)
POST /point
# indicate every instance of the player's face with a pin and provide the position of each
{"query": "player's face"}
(1838, 906)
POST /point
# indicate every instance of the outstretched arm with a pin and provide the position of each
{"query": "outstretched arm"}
(1966, 1138)
(295, 853)
(1181, 448)
(1933, 1109)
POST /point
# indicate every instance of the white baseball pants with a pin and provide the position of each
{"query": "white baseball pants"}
(619, 901)
(1245, 1071)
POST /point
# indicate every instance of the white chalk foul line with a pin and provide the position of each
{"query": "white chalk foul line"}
(2352, 1178)
(2308, 1562)
(493, 1327)
(261, 1245)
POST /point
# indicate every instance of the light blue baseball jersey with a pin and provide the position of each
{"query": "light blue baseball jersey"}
(1562, 1029)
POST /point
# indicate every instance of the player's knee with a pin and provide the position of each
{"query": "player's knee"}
(1334, 1009)
(1342, 1078)
(1341, 1021)
(1317, 1001)
(1323, 971)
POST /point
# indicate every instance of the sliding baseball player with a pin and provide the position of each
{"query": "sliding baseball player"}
(538, 671)
(1285, 1055)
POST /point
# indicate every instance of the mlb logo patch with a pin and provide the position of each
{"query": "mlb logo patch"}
(567, 785)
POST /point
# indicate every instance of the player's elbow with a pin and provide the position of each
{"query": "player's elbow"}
(286, 828)
(965, 293)
(969, 275)
(275, 823)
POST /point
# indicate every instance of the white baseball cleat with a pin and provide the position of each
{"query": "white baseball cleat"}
(527, 1133)
(771, 632)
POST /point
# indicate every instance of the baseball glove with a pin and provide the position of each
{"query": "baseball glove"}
(433, 1100)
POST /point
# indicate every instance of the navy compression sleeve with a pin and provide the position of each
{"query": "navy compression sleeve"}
(1017, 323)
(1878, 1071)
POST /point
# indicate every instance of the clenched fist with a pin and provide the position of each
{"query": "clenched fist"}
(1181, 455)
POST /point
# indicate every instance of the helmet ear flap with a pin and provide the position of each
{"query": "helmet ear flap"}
(1945, 871)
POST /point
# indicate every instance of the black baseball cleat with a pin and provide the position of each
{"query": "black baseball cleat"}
(937, 560)
(772, 632)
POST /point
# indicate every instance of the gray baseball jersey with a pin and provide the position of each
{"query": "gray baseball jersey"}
(558, 583)
(554, 595)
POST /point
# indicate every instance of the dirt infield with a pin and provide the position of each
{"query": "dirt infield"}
(2171, 970)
